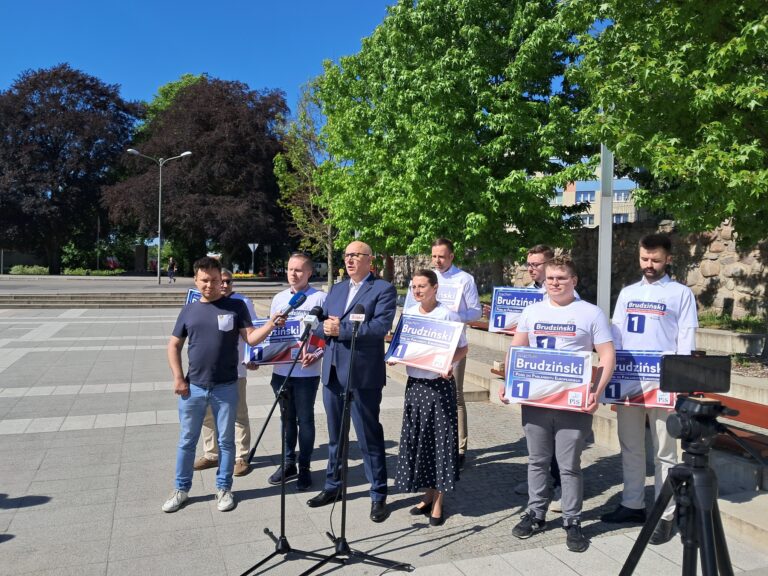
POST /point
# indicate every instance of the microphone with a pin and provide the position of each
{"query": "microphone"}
(313, 319)
(297, 300)
(358, 317)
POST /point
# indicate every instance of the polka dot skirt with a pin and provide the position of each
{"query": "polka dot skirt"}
(429, 439)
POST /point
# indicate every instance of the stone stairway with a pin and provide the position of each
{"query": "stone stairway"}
(169, 298)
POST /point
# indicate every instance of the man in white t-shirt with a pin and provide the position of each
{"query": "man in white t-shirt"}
(304, 380)
(468, 309)
(659, 314)
(210, 457)
(561, 322)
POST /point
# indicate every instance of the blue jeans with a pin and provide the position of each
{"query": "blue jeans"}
(222, 399)
(299, 416)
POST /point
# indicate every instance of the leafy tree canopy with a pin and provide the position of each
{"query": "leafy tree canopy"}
(680, 89)
(62, 130)
(298, 176)
(225, 194)
(449, 122)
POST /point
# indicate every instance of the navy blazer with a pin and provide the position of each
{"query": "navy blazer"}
(379, 298)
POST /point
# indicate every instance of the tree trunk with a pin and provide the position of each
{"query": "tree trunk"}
(389, 268)
(53, 253)
(497, 272)
(329, 256)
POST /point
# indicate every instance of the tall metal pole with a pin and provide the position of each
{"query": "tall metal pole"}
(605, 231)
(160, 163)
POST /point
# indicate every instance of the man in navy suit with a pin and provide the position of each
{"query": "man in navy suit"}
(379, 299)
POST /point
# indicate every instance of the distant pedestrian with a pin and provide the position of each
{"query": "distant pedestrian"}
(172, 267)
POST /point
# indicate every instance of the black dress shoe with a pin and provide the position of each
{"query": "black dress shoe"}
(663, 532)
(418, 511)
(624, 515)
(379, 511)
(460, 462)
(437, 521)
(325, 497)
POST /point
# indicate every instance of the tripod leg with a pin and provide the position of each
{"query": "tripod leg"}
(721, 547)
(667, 490)
(704, 497)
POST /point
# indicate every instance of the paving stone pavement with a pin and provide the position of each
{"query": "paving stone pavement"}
(88, 431)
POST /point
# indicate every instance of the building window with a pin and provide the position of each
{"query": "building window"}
(620, 218)
(621, 195)
(588, 219)
(585, 196)
(558, 199)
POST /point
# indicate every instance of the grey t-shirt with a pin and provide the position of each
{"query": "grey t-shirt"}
(213, 330)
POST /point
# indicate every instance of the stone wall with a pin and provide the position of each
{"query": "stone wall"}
(724, 279)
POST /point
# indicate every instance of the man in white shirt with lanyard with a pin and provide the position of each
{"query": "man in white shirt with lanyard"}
(659, 314)
(469, 309)
(304, 380)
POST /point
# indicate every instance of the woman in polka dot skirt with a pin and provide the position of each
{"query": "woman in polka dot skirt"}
(429, 439)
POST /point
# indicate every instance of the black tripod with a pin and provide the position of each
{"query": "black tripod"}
(282, 397)
(342, 551)
(693, 484)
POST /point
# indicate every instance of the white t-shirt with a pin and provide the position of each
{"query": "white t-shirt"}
(469, 306)
(441, 312)
(315, 297)
(577, 327)
(659, 316)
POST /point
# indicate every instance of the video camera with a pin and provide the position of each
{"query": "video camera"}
(695, 417)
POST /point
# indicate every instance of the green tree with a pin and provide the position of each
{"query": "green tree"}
(450, 122)
(165, 96)
(297, 173)
(62, 132)
(679, 89)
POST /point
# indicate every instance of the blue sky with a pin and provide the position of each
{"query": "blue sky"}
(143, 44)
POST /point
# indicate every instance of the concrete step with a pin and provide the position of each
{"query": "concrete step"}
(172, 298)
(745, 516)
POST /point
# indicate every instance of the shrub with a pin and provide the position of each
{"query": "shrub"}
(34, 270)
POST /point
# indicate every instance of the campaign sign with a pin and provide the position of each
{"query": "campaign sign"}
(281, 346)
(635, 381)
(425, 343)
(507, 305)
(193, 296)
(448, 294)
(549, 378)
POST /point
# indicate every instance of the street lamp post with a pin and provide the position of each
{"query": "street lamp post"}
(160, 163)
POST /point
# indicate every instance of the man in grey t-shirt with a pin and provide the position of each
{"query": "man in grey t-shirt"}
(213, 325)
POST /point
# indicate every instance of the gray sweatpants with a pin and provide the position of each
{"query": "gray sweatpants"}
(563, 433)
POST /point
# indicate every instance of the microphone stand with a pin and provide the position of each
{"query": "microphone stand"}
(341, 545)
(281, 542)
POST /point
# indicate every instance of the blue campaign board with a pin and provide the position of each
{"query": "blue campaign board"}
(507, 304)
(193, 296)
(636, 380)
(550, 378)
(282, 345)
(425, 343)
(449, 294)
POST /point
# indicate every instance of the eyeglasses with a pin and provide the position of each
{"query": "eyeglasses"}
(226, 281)
(354, 255)
(535, 265)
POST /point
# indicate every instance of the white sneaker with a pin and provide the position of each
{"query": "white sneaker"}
(176, 501)
(226, 501)
(555, 505)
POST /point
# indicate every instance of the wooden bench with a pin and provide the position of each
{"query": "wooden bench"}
(751, 413)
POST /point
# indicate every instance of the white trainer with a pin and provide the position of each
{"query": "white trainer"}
(175, 501)
(225, 500)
